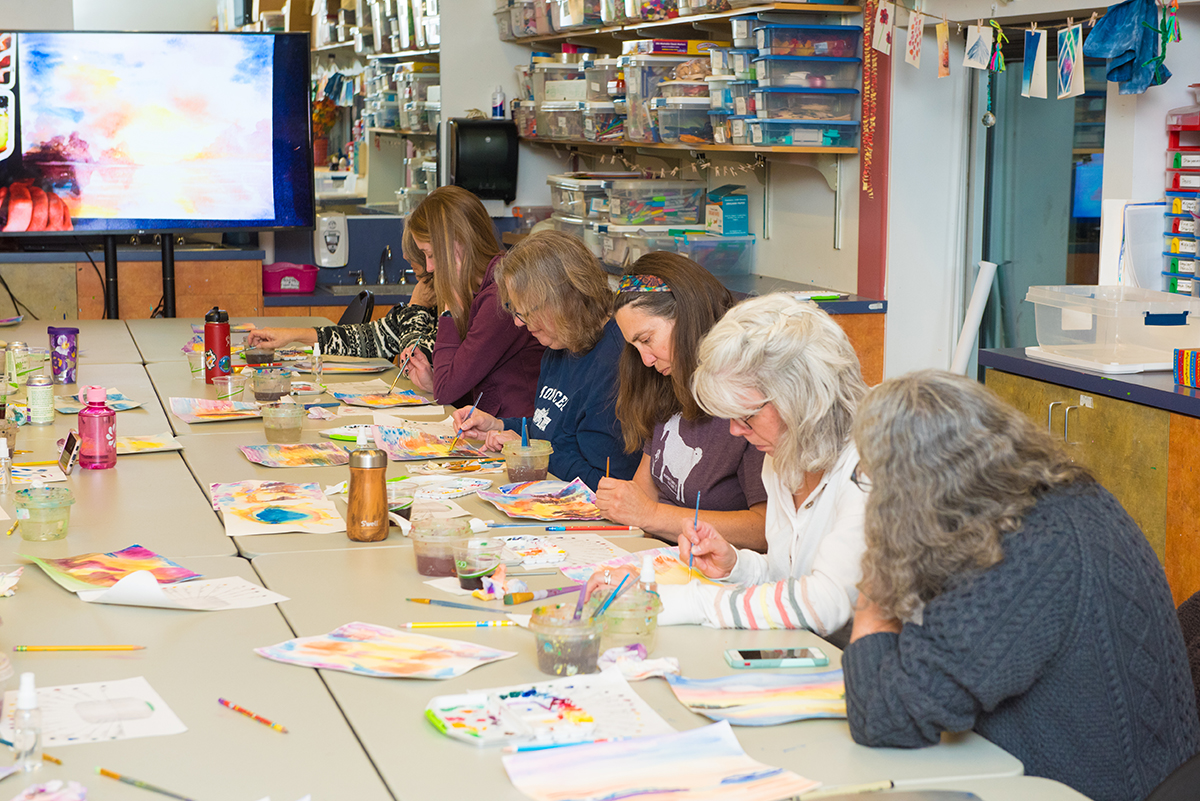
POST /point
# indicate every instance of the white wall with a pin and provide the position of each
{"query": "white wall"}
(32, 15)
(143, 15)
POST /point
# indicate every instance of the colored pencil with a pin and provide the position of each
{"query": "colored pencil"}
(138, 783)
(607, 466)
(251, 715)
(78, 647)
(524, 573)
(474, 406)
(608, 601)
(591, 528)
(458, 624)
(35, 464)
(452, 605)
(13, 527)
(538, 595)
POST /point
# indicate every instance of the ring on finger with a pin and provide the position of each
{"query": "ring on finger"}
(608, 577)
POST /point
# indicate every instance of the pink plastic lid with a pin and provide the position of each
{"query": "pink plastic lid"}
(97, 395)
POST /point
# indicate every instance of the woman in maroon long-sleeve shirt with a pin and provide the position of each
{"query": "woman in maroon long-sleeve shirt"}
(478, 350)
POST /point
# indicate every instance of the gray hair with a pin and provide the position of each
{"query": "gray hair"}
(798, 358)
(952, 468)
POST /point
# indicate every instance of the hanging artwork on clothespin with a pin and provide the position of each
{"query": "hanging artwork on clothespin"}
(1033, 75)
(943, 40)
(885, 21)
(1070, 61)
(916, 28)
(979, 47)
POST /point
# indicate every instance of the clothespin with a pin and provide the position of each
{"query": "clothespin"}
(1092, 21)
(1070, 22)
(674, 171)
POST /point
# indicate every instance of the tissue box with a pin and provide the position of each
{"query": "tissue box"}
(1187, 367)
(727, 213)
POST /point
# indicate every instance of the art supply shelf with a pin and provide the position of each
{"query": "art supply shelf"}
(404, 55)
(698, 148)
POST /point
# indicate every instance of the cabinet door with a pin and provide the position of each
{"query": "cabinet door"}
(1123, 444)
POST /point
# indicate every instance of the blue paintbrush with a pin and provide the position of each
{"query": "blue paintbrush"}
(524, 433)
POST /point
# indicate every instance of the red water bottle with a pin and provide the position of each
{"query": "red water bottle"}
(216, 344)
(97, 431)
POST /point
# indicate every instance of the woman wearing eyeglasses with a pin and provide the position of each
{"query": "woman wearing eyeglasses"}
(477, 349)
(556, 290)
(785, 376)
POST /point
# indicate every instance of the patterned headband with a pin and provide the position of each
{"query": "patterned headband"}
(643, 283)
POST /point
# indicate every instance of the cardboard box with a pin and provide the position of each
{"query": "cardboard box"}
(727, 212)
(669, 47)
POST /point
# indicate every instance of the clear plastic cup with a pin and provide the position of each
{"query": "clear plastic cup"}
(271, 385)
(400, 497)
(433, 542)
(229, 387)
(631, 618)
(282, 422)
(527, 463)
(565, 646)
(257, 356)
(476, 558)
(44, 512)
(196, 364)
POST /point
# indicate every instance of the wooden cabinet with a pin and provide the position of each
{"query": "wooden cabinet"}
(1146, 457)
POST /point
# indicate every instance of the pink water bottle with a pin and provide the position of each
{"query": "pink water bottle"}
(97, 432)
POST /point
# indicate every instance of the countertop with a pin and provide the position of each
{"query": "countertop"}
(140, 253)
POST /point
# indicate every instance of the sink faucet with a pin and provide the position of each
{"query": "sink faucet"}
(357, 273)
(384, 258)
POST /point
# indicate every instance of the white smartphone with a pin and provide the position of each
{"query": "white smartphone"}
(70, 452)
(775, 658)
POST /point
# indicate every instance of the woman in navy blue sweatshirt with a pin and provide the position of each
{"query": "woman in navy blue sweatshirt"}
(553, 286)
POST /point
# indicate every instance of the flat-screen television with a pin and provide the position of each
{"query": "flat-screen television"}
(121, 133)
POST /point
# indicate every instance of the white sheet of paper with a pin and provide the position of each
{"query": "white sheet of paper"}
(436, 426)
(448, 584)
(97, 712)
(141, 589)
(375, 386)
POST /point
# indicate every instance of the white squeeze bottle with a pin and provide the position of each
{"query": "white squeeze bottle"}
(648, 581)
(27, 726)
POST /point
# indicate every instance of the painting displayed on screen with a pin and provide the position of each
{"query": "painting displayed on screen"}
(139, 131)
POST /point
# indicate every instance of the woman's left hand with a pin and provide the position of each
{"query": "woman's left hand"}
(608, 578)
(496, 439)
(624, 502)
(419, 370)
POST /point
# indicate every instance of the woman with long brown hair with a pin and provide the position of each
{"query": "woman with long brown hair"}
(478, 350)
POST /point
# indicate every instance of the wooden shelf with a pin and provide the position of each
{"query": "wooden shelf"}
(405, 54)
(681, 27)
(399, 132)
(700, 148)
(332, 47)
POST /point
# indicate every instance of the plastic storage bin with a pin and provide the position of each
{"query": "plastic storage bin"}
(408, 198)
(335, 183)
(788, 133)
(523, 16)
(806, 104)
(718, 61)
(1112, 329)
(808, 40)
(283, 278)
(1180, 224)
(599, 75)
(553, 80)
(642, 242)
(684, 120)
(429, 176)
(504, 25)
(615, 240)
(730, 129)
(743, 29)
(563, 120)
(568, 224)
(809, 73)
(643, 74)
(524, 114)
(582, 194)
(741, 64)
(1180, 243)
(566, 15)
(433, 115)
(720, 255)
(601, 123)
(1183, 202)
(1175, 263)
(683, 89)
(656, 202)
(415, 85)
(726, 93)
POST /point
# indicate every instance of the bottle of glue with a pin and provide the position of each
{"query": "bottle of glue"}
(367, 513)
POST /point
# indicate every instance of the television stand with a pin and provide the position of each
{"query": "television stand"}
(112, 309)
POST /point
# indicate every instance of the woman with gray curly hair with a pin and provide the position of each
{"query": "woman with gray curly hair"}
(1006, 591)
(786, 377)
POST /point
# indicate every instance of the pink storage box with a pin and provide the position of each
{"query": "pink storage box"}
(285, 278)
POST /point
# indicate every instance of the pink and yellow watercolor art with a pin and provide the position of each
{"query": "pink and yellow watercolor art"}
(90, 571)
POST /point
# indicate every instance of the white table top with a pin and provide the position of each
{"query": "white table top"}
(1013, 788)
(133, 382)
(371, 587)
(191, 660)
(161, 339)
(100, 341)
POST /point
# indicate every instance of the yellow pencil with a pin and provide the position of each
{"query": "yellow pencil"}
(13, 527)
(459, 624)
(35, 464)
(78, 647)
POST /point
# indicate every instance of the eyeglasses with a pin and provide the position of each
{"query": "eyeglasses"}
(522, 316)
(862, 482)
(745, 421)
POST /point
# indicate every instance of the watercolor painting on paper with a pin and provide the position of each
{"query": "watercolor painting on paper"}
(881, 31)
(943, 42)
(97, 712)
(150, 443)
(764, 699)
(202, 410)
(300, 454)
(386, 401)
(73, 404)
(916, 30)
(979, 47)
(667, 567)
(1033, 72)
(1070, 62)
(307, 516)
(412, 443)
(89, 571)
(27, 474)
(546, 500)
(252, 491)
(567, 710)
(369, 650)
(696, 765)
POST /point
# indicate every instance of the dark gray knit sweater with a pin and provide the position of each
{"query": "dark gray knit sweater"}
(1067, 654)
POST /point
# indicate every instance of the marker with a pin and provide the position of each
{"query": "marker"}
(459, 624)
(848, 789)
(251, 715)
(464, 422)
(138, 783)
(452, 605)
(78, 647)
(591, 528)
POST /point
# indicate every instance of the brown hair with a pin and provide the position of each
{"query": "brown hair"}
(553, 273)
(695, 303)
(452, 218)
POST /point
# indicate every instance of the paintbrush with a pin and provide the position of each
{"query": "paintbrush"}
(464, 422)
(524, 432)
(608, 601)
(453, 605)
(695, 522)
(538, 595)
(402, 366)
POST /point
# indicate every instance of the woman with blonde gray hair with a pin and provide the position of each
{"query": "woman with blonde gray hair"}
(787, 379)
(554, 287)
(1005, 591)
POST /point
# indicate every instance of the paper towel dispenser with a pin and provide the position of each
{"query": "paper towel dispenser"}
(483, 158)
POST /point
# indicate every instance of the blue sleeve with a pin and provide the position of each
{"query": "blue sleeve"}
(584, 443)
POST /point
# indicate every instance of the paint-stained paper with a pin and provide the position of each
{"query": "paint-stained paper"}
(885, 23)
(1070, 62)
(979, 47)
(916, 27)
(1033, 75)
(764, 699)
(943, 40)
